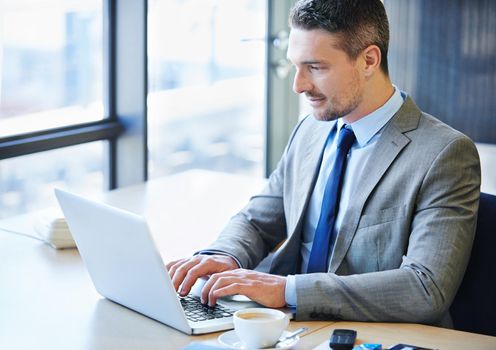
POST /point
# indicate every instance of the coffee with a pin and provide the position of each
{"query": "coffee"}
(257, 316)
(259, 327)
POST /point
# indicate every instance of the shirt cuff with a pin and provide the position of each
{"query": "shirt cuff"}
(218, 252)
(290, 292)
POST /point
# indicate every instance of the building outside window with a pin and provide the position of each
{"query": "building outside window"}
(206, 98)
(50, 76)
(206, 102)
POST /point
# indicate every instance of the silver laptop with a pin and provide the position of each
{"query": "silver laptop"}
(125, 267)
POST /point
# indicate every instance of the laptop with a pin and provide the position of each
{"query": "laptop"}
(125, 266)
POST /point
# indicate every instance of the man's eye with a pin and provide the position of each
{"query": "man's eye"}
(314, 68)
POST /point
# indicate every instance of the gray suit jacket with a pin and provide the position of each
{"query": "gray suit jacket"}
(405, 241)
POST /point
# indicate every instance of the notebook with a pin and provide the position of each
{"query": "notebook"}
(125, 266)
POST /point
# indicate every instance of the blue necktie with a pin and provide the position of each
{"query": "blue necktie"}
(321, 247)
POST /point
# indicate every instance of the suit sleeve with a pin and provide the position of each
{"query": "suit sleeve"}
(441, 235)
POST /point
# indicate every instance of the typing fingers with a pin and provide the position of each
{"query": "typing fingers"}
(179, 270)
(237, 287)
(204, 268)
(238, 281)
(230, 282)
(209, 264)
(185, 272)
(173, 265)
(266, 289)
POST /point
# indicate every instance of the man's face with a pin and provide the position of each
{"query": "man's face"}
(330, 81)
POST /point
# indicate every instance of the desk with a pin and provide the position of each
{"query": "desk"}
(389, 334)
(47, 300)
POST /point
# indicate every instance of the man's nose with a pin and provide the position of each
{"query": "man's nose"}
(301, 83)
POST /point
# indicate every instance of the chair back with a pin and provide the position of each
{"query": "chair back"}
(474, 307)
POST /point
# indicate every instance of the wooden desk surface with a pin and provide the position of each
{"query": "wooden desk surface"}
(47, 300)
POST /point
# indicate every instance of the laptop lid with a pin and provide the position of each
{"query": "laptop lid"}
(124, 264)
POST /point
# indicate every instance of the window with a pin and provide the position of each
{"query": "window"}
(50, 64)
(76, 96)
(27, 182)
(53, 130)
(206, 102)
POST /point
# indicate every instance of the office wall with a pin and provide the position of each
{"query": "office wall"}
(443, 53)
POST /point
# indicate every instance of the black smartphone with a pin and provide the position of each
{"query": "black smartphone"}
(342, 339)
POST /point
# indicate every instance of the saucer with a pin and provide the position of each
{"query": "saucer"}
(231, 341)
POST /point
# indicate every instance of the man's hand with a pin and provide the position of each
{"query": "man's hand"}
(185, 272)
(263, 288)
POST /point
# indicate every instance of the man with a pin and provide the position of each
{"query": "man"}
(378, 232)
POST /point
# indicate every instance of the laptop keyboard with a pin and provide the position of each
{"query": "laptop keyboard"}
(196, 311)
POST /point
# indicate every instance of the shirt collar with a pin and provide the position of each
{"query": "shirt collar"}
(365, 128)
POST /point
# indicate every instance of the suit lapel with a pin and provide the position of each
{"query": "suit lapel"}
(284, 261)
(389, 145)
(309, 170)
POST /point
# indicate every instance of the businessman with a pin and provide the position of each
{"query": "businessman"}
(372, 208)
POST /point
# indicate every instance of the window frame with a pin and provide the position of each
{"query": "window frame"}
(282, 104)
(124, 100)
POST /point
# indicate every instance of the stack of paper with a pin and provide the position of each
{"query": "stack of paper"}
(54, 231)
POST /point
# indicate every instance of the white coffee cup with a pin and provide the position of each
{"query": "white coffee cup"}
(259, 327)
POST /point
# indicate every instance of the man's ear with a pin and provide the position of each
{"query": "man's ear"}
(372, 59)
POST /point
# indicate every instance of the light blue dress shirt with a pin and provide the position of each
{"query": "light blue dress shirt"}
(367, 131)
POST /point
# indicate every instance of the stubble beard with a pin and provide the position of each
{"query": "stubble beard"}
(349, 103)
(333, 113)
